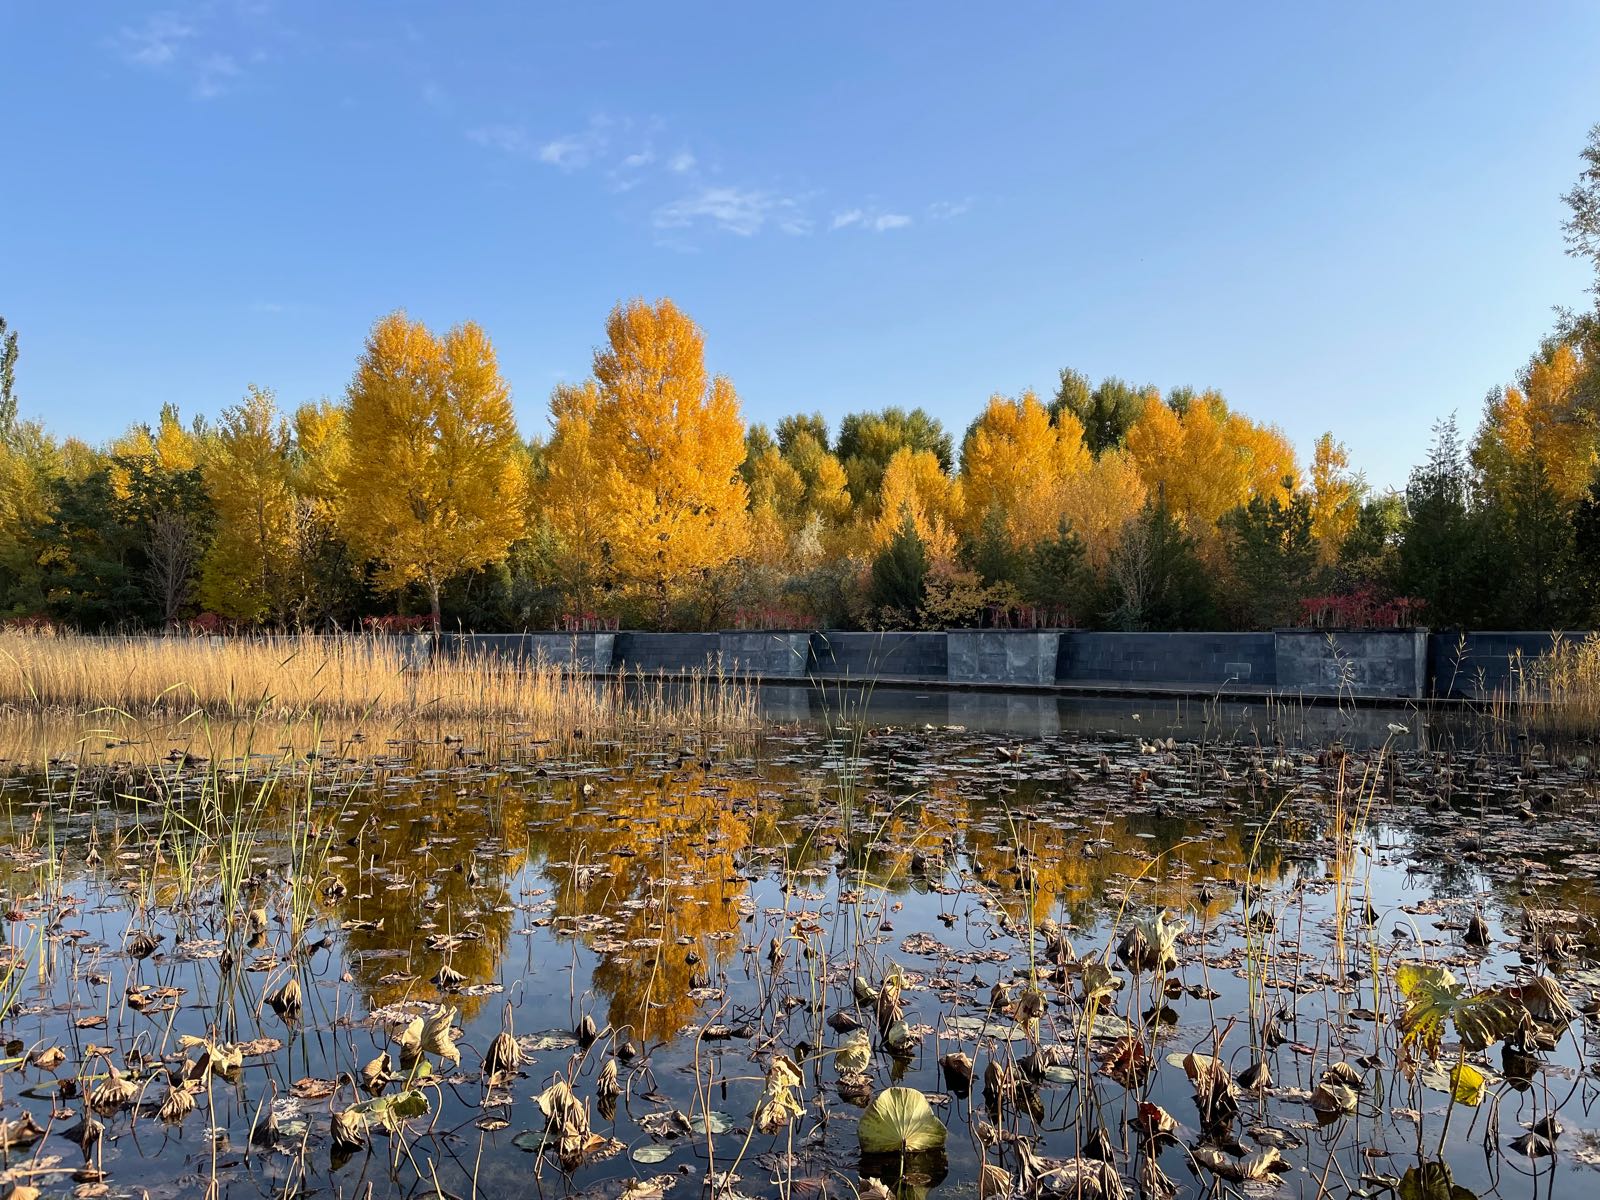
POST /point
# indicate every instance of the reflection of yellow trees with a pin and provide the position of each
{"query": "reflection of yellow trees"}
(664, 876)
(429, 865)
(645, 867)
(1159, 860)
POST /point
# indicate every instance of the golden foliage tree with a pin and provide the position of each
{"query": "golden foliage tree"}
(435, 483)
(566, 495)
(1097, 504)
(799, 497)
(1539, 426)
(247, 476)
(914, 484)
(1335, 497)
(169, 446)
(321, 456)
(668, 444)
(1207, 461)
(1015, 464)
(29, 461)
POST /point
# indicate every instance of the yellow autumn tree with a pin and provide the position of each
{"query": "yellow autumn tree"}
(1335, 497)
(915, 485)
(247, 476)
(1207, 461)
(30, 460)
(565, 497)
(1539, 426)
(1015, 464)
(321, 456)
(1098, 502)
(668, 444)
(435, 483)
(799, 497)
(169, 446)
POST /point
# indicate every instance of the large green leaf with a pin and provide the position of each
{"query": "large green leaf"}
(1432, 1181)
(900, 1120)
(1434, 996)
(390, 1112)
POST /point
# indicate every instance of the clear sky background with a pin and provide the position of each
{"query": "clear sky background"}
(1343, 215)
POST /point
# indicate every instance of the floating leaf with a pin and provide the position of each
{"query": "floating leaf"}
(1462, 1082)
(854, 1053)
(900, 1120)
(1433, 996)
(1431, 1181)
(713, 1122)
(390, 1112)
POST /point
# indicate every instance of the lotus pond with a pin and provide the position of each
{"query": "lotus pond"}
(855, 956)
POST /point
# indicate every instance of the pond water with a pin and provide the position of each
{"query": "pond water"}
(656, 923)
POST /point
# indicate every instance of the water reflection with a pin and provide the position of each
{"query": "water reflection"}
(657, 885)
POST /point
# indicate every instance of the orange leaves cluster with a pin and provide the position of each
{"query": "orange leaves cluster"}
(1207, 460)
(643, 464)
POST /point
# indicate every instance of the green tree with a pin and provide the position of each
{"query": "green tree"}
(1582, 226)
(1055, 576)
(802, 425)
(169, 516)
(1155, 578)
(1367, 555)
(900, 576)
(1274, 558)
(1586, 553)
(868, 440)
(1446, 557)
(1106, 412)
(89, 570)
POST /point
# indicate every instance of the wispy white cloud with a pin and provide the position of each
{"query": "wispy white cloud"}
(625, 157)
(944, 210)
(157, 42)
(183, 43)
(873, 220)
(743, 211)
(508, 139)
(214, 75)
(569, 152)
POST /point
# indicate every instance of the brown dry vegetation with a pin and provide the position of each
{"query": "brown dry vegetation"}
(357, 679)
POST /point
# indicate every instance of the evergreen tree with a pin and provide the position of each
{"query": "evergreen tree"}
(900, 575)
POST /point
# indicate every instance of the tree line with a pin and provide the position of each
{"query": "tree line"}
(650, 503)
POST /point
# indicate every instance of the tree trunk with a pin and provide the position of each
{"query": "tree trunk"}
(433, 600)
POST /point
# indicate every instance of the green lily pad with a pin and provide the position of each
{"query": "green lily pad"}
(713, 1122)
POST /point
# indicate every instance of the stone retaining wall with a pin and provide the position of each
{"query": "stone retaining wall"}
(1399, 663)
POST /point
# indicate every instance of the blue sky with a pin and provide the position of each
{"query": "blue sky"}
(1345, 216)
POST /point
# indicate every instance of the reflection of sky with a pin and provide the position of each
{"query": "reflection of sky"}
(1017, 715)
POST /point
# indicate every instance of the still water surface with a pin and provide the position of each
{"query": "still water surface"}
(708, 906)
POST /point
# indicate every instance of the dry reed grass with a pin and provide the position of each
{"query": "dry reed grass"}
(1557, 696)
(364, 679)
